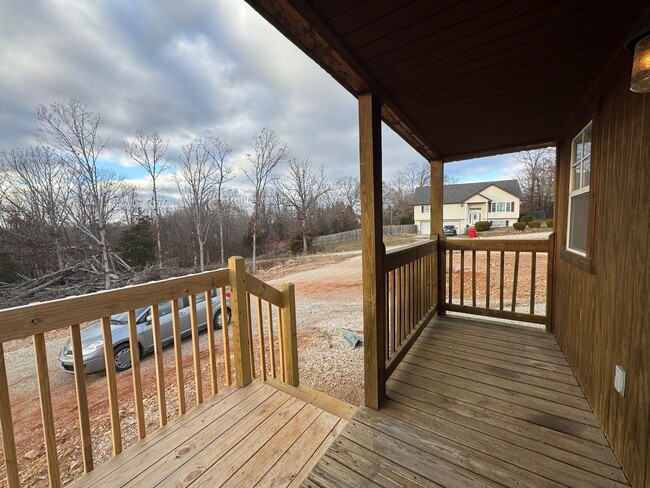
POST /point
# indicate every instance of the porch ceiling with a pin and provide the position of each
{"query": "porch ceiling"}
(469, 77)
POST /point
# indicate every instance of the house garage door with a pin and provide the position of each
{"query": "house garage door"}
(425, 227)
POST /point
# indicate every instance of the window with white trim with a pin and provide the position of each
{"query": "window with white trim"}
(579, 180)
(424, 208)
(502, 207)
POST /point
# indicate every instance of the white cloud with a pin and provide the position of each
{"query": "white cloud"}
(179, 68)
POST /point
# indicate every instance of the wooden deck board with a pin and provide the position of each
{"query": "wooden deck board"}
(241, 437)
(475, 404)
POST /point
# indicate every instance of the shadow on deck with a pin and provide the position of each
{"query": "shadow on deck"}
(475, 404)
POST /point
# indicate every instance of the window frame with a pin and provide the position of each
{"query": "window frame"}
(582, 188)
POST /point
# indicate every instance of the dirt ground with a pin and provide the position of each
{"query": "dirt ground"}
(328, 304)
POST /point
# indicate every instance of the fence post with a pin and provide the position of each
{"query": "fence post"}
(240, 335)
(289, 337)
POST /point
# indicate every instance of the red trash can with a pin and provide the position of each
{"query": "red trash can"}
(472, 232)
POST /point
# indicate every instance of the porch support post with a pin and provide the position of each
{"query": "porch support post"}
(435, 214)
(372, 250)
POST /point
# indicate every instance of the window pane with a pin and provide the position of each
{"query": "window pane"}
(200, 297)
(578, 222)
(164, 308)
(587, 143)
(586, 171)
(577, 150)
(575, 177)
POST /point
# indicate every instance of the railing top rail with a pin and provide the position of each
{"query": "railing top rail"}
(525, 245)
(400, 257)
(27, 320)
(257, 287)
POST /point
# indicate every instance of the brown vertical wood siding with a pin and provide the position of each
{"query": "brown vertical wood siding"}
(601, 318)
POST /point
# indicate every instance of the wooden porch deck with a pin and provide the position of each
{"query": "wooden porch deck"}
(475, 404)
(252, 436)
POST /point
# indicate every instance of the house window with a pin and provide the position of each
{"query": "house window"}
(424, 208)
(579, 192)
(502, 207)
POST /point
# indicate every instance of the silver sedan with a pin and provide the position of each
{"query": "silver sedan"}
(92, 342)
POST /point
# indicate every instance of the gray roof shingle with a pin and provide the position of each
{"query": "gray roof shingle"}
(460, 192)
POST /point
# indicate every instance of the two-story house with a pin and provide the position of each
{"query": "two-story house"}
(465, 204)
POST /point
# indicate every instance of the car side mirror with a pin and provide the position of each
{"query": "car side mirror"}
(149, 319)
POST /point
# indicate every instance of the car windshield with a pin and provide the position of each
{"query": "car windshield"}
(122, 318)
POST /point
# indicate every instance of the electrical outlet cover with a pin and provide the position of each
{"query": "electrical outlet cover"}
(619, 379)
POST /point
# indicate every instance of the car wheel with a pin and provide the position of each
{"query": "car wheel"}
(218, 318)
(122, 355)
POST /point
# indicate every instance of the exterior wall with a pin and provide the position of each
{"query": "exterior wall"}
(419, 216)
(495, 194)
(601, 310)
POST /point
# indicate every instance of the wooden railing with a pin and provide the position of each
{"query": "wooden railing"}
(411, 296)
(484, 277)
(276, 351)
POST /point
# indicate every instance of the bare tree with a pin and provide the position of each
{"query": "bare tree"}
(130, 204)
(266, 153)
(349, 192)
(148, 150)
(536, 177)
(415, 175)
(196, 179)
(73, 131)
(218, 151)
(36, 187)
(301, 189)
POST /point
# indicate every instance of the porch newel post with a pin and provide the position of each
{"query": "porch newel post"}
(372, 249)
(435, 214)
(240, 320)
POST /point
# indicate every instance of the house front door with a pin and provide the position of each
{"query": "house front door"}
(474, 216)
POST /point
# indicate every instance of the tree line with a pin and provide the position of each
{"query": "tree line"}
(59, 205)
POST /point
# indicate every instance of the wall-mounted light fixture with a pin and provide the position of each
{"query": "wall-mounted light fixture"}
(640, 43)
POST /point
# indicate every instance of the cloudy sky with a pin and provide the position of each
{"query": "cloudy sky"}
(182, 68)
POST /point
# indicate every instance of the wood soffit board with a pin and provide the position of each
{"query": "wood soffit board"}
(465, 78)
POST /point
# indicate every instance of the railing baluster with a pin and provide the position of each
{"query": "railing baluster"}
(47, 415)
(281, 334)
(514, 282)
(399, 308)
(487, 280)
(386, 317)
(158, 359)
(111, 382)
(82, 398)
(462, 277)
(474, 278)
(271, 339)
(451, 274)
(212, 352)
(260, 332)
(533, 265)
(250, 334)
(501, 271)
(393, 314)
(178, 357)
(224, 333)
(135, 374)
(196, 350)
(7, 426)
